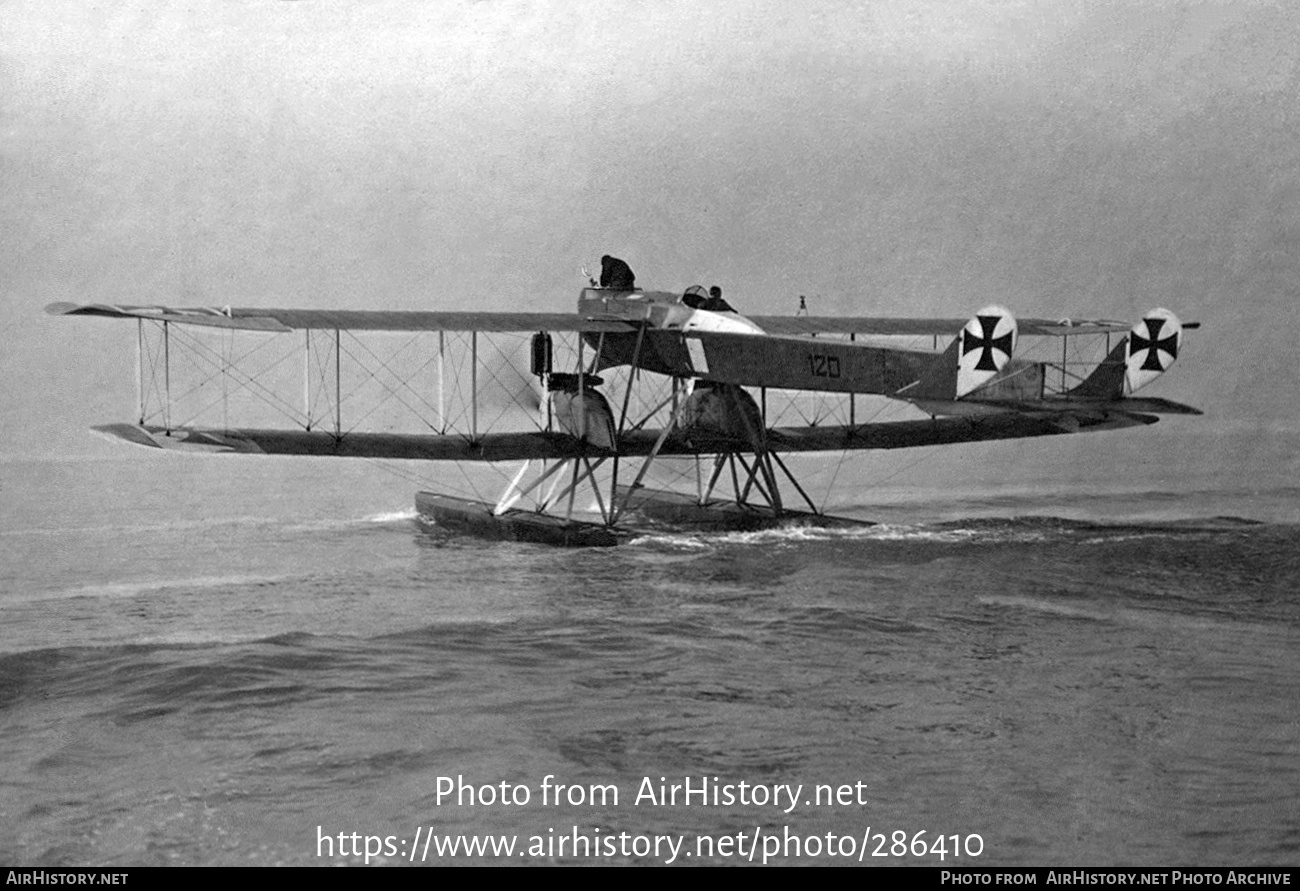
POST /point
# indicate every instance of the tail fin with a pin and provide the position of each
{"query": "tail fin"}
(1152, 347)
(1143, 355)
(985, 347)
(975, 356)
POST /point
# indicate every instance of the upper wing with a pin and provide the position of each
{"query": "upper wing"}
(264, 319)
(808, 325)
(259, 319)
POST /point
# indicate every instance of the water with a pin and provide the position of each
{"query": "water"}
(222, 661)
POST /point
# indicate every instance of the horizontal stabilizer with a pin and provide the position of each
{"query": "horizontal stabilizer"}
(1157, 407)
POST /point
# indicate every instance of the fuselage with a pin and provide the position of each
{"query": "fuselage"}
(658, 311)
(662, 309)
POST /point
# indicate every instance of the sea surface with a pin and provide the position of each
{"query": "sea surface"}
(263, 661)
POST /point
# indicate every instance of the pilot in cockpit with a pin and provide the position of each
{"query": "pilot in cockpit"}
(697, 298)
(715, 303)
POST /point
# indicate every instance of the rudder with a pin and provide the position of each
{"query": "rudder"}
(1152, 348)
(986, 345)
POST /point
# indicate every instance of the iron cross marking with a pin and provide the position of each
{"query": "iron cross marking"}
(1153, 344)
(988, 342)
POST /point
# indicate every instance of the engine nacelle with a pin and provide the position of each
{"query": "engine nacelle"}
(723, 410)
(582, 411)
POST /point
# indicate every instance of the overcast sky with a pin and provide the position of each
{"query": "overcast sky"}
(902, 157)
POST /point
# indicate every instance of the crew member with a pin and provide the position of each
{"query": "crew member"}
(715, 303)
(615, 274)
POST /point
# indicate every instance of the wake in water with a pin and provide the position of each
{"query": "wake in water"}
(973, 530)
(215, 525)
(395, 516)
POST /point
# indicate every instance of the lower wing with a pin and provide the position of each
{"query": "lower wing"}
(555, 445)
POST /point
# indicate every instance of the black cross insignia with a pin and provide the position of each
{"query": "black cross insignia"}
(1153, 345)
(989, 343)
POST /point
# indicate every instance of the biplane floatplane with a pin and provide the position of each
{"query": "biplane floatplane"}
(590, 400)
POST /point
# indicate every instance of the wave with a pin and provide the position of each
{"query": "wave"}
(799, 533)
(1014, 530)
(395, 516)
(148, 586)
(218, 523)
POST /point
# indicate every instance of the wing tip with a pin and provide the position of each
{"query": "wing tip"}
(132, 433)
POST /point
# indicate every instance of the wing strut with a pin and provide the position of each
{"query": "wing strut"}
(473, 386)
(770, 491)
(795, 482)
(513, 493)
(718, 464)
(632, 378)
(167, 378)
(338, 385)
(649, 459)
(139, 369)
